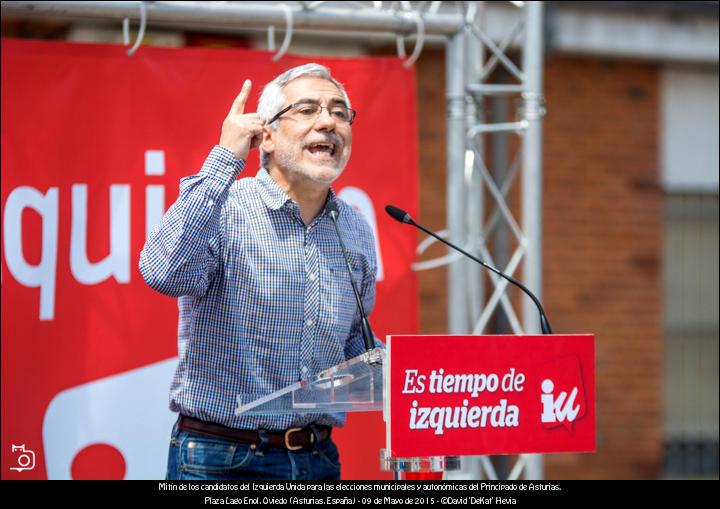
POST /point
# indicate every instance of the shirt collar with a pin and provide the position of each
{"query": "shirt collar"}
(272, 194)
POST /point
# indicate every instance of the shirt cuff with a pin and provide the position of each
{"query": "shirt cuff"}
(222, 164)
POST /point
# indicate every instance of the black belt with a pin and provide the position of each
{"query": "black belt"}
(292, 439)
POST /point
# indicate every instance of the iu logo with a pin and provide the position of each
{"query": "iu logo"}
(558, 408)
(561, 392)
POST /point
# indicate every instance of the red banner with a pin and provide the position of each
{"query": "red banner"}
(479, 395)
(94, 144)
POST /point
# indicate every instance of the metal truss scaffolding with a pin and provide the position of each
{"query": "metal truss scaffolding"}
(474, 63)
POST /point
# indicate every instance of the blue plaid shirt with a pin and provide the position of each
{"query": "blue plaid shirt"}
(264, 299)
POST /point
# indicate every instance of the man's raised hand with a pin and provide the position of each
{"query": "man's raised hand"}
(241, 131)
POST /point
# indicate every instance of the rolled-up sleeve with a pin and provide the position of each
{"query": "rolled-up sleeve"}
(181, 254)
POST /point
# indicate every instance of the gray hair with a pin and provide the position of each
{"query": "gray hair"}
(272, 98)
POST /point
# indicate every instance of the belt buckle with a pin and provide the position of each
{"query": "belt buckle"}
(287, 436)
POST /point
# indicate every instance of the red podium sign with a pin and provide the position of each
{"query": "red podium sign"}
(478, 395)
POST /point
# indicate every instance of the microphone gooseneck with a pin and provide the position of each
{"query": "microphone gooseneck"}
(400, 215)
(369, 339)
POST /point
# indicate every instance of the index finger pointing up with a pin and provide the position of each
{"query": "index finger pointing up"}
(238, 106)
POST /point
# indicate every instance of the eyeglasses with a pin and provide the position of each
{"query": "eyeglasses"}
(305, 111)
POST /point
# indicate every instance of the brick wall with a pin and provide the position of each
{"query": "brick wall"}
(603, 224)
(432, 130)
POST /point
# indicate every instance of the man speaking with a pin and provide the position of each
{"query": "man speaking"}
(265, 297)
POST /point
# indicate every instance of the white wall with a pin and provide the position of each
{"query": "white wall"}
(689, 129)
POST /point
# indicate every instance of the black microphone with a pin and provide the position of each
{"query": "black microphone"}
(402, 216)
(332, 209)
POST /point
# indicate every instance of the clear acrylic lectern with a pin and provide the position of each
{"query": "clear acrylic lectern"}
(353, 386)
(356, 385)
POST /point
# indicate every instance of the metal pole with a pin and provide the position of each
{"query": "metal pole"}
(239, 15)
(533, 108)
(473, 179)
(455, 71)
(475, 13)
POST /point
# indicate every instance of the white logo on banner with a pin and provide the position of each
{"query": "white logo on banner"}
(560, 408)
(128, 411)
(360, 201)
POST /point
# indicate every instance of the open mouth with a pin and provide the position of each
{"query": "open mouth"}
(324, 149)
